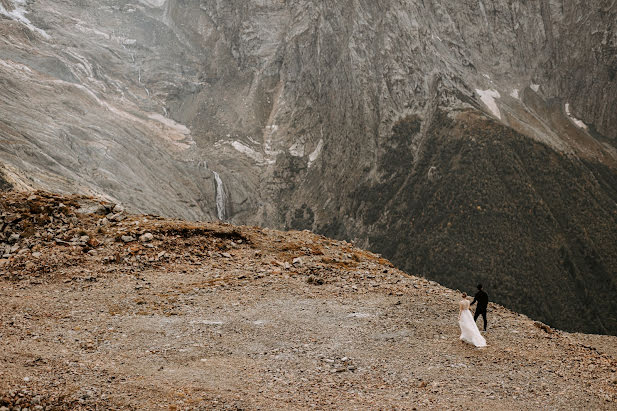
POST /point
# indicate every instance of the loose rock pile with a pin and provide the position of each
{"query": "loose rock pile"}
(43, 233)
(24, 400)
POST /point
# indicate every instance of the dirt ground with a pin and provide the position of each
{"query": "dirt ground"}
(147, 313)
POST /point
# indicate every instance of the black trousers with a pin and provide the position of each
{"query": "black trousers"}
(477, 314)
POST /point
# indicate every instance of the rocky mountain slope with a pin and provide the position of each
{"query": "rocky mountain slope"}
(465, 140)
(108, 310)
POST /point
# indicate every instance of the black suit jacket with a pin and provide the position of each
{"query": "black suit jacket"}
(482, 298)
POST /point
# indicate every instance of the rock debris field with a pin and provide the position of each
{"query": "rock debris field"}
(106, 310)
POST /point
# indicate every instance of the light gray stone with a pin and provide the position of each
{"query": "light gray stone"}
(146, 237)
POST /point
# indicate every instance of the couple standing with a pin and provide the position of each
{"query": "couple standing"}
(469, 329)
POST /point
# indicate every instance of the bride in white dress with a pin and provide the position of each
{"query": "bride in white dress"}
(469, 330)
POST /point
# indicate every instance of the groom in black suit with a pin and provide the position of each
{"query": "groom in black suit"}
(482, 298)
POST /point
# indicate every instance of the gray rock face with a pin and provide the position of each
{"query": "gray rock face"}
(352, 118)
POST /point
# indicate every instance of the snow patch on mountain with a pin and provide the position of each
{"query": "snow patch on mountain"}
(249, 152)
(315, 154)
(575, 120)
(488, 98)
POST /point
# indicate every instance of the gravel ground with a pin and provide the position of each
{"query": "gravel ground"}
(209, 316)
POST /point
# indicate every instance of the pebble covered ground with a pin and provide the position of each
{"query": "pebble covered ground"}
(106, 310)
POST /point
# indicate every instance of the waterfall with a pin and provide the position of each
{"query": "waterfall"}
(220, 197)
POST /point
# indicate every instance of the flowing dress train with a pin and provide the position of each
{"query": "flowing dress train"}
(469, 330)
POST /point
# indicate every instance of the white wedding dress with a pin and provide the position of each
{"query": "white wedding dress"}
(469, 330)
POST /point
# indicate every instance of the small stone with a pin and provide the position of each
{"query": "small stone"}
(92, 242)
(116, 217)
(146, 237)
(226, 255)
(26, 379)
(91, 209)
(297, 261)
(118, 208)
(127, 238)
(13, 238)
(36, 254)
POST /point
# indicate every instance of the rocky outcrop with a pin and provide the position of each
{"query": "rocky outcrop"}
(350, 118)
